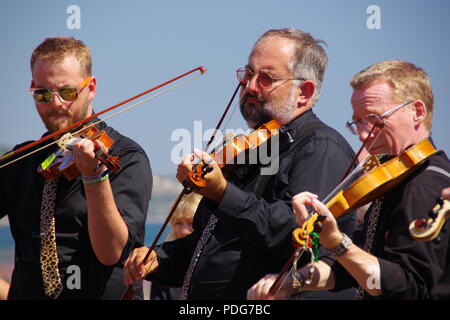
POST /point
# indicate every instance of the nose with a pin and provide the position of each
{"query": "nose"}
(363, 132)
(56, 100)
(252, 84)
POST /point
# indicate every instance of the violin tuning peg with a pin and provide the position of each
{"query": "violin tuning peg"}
(440, 201)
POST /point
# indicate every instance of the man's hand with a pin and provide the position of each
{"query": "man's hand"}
(330, 236)
(261, 289)
(134, 269)
(84, 155)
(215, 183)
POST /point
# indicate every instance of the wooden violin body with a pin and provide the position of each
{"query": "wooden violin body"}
(62, 162)
(228, 153)
(426, 230)
(374, 183)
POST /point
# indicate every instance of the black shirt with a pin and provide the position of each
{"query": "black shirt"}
(20, 198)
(253, 233)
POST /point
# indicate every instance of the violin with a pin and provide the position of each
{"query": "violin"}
(227, 154)
(62, 162)
(376, 180)
(426, 230)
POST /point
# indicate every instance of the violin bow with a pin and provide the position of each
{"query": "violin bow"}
(18, 151)
(129, 292)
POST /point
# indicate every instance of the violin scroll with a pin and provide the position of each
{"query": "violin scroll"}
(426, 230)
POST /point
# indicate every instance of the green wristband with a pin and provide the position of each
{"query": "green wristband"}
(94, 180)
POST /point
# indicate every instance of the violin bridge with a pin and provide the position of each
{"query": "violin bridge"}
(64, 140)
(370, 163)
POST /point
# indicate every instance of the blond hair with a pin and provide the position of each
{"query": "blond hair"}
(57, 49)
(185, 211)
(407, 81)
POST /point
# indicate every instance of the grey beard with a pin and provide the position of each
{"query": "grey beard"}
(281, 111)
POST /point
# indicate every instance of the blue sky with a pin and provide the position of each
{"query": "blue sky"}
(139, 44)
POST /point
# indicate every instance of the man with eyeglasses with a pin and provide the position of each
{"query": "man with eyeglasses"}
(392, 111)
(71, 236)
(242, 228)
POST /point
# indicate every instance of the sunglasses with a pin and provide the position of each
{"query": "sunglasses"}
(264, 78)
(67, 94)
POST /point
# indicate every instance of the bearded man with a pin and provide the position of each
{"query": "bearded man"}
(242, 227)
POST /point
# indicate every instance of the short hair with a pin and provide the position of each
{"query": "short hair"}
(58, 48)
(408, 82)
(309, 59)
(185, 211)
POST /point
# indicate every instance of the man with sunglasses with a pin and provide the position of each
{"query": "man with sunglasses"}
(71, 236)
(242, 228)
(392, 111)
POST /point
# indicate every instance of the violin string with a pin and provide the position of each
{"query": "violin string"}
(354, 174)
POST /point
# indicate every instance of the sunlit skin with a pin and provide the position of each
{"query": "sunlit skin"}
(182, 227)
(404, 128)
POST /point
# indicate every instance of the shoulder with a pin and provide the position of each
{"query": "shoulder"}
(317, 137)
(435, 172)
(309, 127)
(123, 144)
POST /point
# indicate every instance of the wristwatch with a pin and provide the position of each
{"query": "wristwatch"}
(342, 247)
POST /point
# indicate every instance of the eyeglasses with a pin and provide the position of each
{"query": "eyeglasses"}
(264, 78)
(67, 94)
(371, 119)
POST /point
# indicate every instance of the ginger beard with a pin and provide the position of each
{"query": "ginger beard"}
(57, 119)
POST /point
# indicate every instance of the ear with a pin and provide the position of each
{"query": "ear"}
(92, 87)
(307, 88)
(420, 111)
